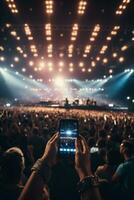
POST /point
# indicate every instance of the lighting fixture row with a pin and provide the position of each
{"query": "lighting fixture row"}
(49, 6)
(112, 33)
(122, 7)
(28, 33)
(12, 6)
(93, 37)
(48, 32)
(74, 34)
(82, 7)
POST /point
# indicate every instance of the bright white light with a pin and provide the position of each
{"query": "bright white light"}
(89, 70)
(68, 132)
(81, 64)
(121, 59)
(50, 64)
(8, 105)
(31, 63)
(42, 64)
(2, 58)
(59, 81)
(114, 55)
(105, 60)
(71, 69)
(16, 59)
(71, 64)
(110, 71)
(128, 98)
(61, 64)
(111, 105)
(23, 69)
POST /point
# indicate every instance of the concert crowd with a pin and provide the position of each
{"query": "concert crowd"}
(25, 131)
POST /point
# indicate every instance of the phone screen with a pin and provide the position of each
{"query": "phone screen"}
(94, 149)
(68, 130)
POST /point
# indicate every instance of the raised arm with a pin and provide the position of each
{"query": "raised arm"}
(41, 172)
(88, 185)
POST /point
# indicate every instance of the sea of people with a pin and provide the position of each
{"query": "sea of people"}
(28, 129)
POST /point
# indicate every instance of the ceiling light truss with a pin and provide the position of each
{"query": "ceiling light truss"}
(92, 39)
(122, 7)
(12, 6)
(82, 7)
(49, 7)
(30, 38)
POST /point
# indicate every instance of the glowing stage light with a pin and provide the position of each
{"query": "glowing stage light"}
(2, 58)
(31, 76)
(121, 59)
(83, 69)
(42, 64)
(16, 59)
(61, 55)
(93, 64)
(50, 64)
(59, 81)
(61, 63)
(125, 47)
(98, 58)
(25, 55)
(71, 64)
(105, 60)
(8, 105)
(31, 63)
(50, 69)
(89, 70)
(71, 69)
(110, 71)
(81, 64)
(69, 132)
(60, 69)
(23, 70)
(114, 55)
(12, 65)
(128, 98)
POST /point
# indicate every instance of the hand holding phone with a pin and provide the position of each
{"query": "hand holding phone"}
(68, 131)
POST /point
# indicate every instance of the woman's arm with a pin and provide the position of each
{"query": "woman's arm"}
(87, 186)
(41, 172)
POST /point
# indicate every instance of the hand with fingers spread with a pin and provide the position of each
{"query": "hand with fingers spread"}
(82, 161)
(51, 150)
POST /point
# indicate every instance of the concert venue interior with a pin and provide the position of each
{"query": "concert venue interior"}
(67, 59)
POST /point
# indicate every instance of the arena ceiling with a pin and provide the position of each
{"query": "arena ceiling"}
(76, 38)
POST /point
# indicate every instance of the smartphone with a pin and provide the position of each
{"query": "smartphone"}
(69, 131)
(94, 149)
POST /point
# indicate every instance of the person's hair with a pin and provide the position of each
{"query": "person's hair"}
(128, 148)
(12, 165)
(102, 134)
(113, 157)
(35, 131)
(101, 143)
(91, 142)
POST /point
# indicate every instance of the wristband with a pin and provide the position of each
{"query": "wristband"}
(42, 169)
(87, 183)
